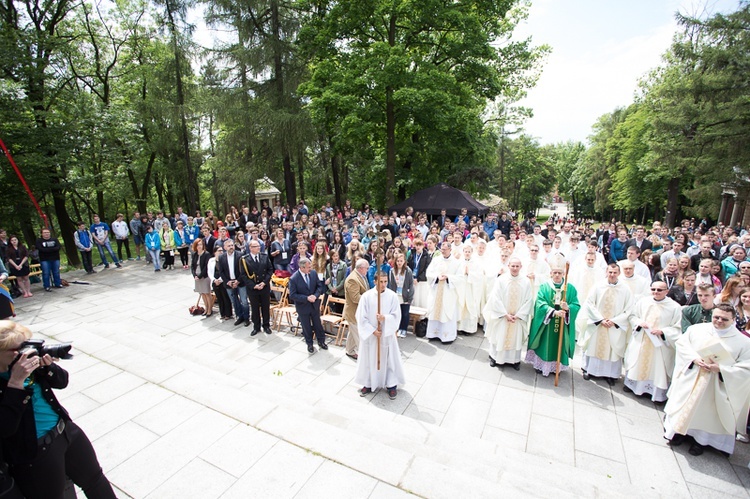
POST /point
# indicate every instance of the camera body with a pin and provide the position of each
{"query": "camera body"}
(37, 347)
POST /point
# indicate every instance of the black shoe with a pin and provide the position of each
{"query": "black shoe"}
(392, 393)
(255, 331)
(586, 376)
(364, 391)
(677, 440)
(626, 389)
(118, 265)
(493, 362)
(267, 330)
(48, 289)
(238, 321)
(696, 449)
(310, 349)
(517, 366)
(59, 286)
(322, 345)
(247, 322)
(352, 356)
(611, 381)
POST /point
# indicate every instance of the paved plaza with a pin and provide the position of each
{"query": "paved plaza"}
(189, 407)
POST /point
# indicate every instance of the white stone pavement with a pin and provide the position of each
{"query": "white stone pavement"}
(180, 406)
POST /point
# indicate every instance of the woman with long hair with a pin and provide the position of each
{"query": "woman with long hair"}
(167, 246)
(280, 251)
(731, 292)
(320, 259)
(18, 265)
(199, 268)
(401, 281)
(338, 245)
(742, 321)
(180, 242)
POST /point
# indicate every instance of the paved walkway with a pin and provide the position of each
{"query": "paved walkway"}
(180, 406)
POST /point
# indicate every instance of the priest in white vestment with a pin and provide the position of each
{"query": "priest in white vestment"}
(507, 315)
(710, 391)
(470, 286)
(606, 313)
(638, 285)
(585, 276)
(537, 269)
(442, 313)
(649, 361)
(633, 255)
(391, 372)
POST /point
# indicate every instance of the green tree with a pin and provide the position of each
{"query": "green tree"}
(411, 79)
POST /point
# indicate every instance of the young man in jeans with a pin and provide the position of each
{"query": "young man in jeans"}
(85, 243)
(120, 228)
(100, 232)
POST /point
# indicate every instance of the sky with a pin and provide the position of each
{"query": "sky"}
(600, 50)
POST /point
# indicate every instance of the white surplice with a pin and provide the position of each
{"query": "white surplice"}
(638, 285)
(391, 371)
(701, 404)
(470, 286)
(603, 348)
(442, 313)
(510, 295)
(648, 368)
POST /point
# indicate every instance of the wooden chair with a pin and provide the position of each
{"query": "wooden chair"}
(330, 318)
(283, 312)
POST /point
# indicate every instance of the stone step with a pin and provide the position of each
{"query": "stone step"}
(426, 459)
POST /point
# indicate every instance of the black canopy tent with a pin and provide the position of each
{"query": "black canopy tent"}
(441, 197)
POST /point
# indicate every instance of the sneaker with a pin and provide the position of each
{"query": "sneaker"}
(157, 270)
(118, 265)
(106, 266)
(48, 289)
(392, 393)
(743, 438)
(402, 334)
(138, 259)
(364, 391)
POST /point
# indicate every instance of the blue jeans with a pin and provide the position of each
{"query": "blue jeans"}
(50, 267)
(155, 257)
(238, 296)
(104, 257)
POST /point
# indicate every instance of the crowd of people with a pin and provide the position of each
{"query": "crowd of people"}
(666, 309)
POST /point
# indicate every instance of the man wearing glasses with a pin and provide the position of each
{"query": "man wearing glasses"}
(708, 399)
(649, 359)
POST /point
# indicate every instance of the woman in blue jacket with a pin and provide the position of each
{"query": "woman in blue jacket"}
(153, 246)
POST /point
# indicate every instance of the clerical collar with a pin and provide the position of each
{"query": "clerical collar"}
(723, 332)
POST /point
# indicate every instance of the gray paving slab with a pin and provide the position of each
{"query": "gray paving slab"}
(181, 406)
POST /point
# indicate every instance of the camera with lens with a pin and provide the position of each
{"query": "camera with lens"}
(37, 347)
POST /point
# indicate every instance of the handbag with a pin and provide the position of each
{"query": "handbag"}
(420, 328)
(196, 309)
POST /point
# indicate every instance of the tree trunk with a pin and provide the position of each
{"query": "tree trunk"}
(192, 184)
(673, 194)
(301, 174)
(390, 128)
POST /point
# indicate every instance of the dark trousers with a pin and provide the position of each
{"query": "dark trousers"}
(183, 255)
(260, 304)
(404, 316)
(88, 265)
(168, 258)
(310, 323)
(120, 242)
(69, 454)
(225, 304)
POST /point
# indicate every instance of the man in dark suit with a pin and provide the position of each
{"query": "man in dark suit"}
(229, 272)
(255, 273)
(639, 239)
(442, 219)
(305, 289)
(208, 238)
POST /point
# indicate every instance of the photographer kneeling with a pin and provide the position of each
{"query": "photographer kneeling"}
(40, 442)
